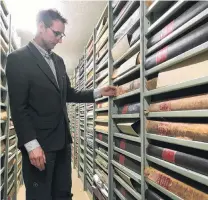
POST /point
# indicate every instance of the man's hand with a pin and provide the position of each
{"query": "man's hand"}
(37, 158)
(108, 91)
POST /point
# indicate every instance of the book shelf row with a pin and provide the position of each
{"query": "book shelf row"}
(11, 159)
(150, 141)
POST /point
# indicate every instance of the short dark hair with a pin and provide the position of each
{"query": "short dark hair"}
(48, 16)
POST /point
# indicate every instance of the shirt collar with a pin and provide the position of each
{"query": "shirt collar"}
(41, 50)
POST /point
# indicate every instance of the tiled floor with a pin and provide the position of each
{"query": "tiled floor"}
(77, 189)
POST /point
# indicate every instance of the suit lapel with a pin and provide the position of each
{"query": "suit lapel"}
(43, 65)
(58, 72)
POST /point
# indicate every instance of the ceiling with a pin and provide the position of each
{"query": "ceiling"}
(82, 17)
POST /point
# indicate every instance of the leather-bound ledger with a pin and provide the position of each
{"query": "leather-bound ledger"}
(102, 105)
(185, 160)
(151, 84)
(186, 131)
(179, 21)
(149, 2)
(3, 115)
(126, 66)
(128, 87)
(133, 184)
(101, 128)
(198, 102)
(150, 195)
(129, 108)
(197, 36)
(127, 162)
(173, 185)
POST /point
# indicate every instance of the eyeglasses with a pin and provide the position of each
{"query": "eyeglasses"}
(57, 33)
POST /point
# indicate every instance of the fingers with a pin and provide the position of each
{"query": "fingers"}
(44, 157)
(37, 159)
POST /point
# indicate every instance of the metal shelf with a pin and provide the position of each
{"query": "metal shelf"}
(102, 132)
(127, 74)
(131, 155)
(120, 196)
(163, 190)
(105, 170)
(102, 66)
(179, 86)
(127, 187)
(101, 109)
(125, 116)
(2, 170)
(127, 171)
(10, 148)
(102, 45)
(181, 114)
(103, 143)
(89, 151)
(101, 120)
(180, 170)
(82, 156)
(191, 23)
(2, 186)
(3, 137)
(128, 53)
(126, 13)
(157, 6)
(128, 137)
(11, 186)
(82, 137)
(172, 140)
(102, 56)
(101, 99)
(101, 154)
(166, 15)
(184, 56)
(82, 147)
(90, 158)
(126, 95)
(3, 88)
(101, 77)
(81, 165)
(102, 32)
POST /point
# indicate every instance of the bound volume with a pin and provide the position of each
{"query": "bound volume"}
(181, 45)
(198, 102)
(186, 131)
(178, 188)
(191, 162)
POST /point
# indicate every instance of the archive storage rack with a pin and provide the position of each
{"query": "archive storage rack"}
(72, 116)
(175, 84)
(11, 176)
(150, 141)
(89, 116)
(81, 158)
(101, 123)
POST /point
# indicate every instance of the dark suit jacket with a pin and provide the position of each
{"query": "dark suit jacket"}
(38, 105)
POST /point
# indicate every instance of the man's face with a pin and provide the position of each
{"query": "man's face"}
(52, 35)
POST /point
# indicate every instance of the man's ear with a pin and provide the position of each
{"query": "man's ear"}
(41, 27)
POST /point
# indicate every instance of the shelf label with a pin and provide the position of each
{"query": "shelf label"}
(123, 144)
(121, 159)
(169, 155)
(162, 55)
(167, 30)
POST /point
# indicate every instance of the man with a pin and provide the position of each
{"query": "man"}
(39, 89)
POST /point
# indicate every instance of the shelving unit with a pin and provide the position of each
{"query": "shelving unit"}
(156, 126)
(161, 148)
(11, 174)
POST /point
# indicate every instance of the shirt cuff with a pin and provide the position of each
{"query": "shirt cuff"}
(32, 145)
(97, 93)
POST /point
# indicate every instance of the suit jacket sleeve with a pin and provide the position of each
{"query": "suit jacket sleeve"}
(73, 95)
(18, 88)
